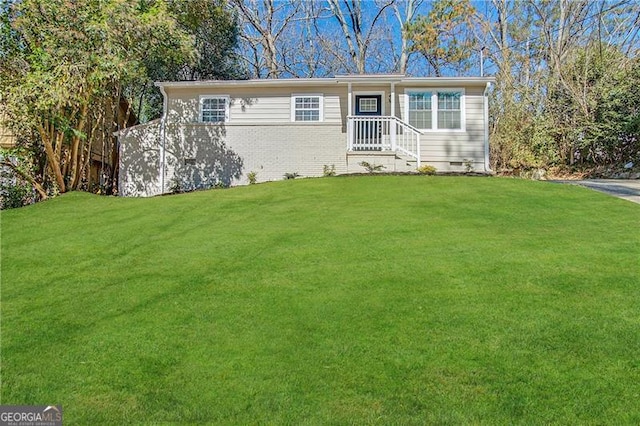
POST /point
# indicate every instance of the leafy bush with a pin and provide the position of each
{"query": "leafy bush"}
(371, 168)
(253, 177)
(14, 195)
(15, 191)
(426, 169)
(329, 171)
(19, 185)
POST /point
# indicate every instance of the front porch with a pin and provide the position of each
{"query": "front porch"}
(369, 128)
(383, 133)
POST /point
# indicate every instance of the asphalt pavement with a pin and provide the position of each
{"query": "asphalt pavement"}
(627, 189)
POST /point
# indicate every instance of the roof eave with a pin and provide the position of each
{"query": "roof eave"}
(255, 82)
(339, 79)
(369, 78)
(449, 80)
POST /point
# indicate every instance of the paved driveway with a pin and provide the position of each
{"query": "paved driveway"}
(627, 189)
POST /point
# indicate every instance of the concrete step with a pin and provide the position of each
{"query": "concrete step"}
(391, 161)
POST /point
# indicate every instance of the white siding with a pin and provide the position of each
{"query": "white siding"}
(332, 108)
(253, 106)
(260, 109)
(442, 147)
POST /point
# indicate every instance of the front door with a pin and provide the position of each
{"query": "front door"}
(368, 131)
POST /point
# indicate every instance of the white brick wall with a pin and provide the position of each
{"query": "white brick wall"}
(269, 150)
(201, 155)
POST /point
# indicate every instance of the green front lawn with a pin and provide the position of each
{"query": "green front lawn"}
(382, 299)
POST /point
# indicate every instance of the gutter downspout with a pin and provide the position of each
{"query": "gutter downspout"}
(163, 138)
(485, 96)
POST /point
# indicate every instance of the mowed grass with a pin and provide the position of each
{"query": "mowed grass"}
(361, 300)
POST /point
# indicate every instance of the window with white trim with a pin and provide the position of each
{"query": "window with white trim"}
(420, 109)
(306, 108)
(435, 110)
(449, 112)
(214, 109)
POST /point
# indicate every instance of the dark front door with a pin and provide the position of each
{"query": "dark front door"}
(368, 131)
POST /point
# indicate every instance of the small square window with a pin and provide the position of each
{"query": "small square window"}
(214, 109)
(368, 105)
(307, 108)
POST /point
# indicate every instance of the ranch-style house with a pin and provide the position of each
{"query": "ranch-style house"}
(219, 132)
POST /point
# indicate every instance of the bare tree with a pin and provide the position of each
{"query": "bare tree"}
(357, 32)
(264, 23)
(405, 12)
(561, 25)
(302, 51)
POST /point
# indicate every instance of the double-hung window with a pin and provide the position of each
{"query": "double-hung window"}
(435, 110)
(449, 110)
(420, 112)
(214, 109)
(306, 108)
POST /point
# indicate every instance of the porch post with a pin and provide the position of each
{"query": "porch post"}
(349, 121)
(393, 127)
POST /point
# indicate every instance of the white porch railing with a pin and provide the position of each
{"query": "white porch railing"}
(383, 133)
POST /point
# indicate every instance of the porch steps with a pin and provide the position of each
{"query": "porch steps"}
(392, 161)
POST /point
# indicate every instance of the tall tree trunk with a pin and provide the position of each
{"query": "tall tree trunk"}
(76, 150)
(410, 9)
(52, 159)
